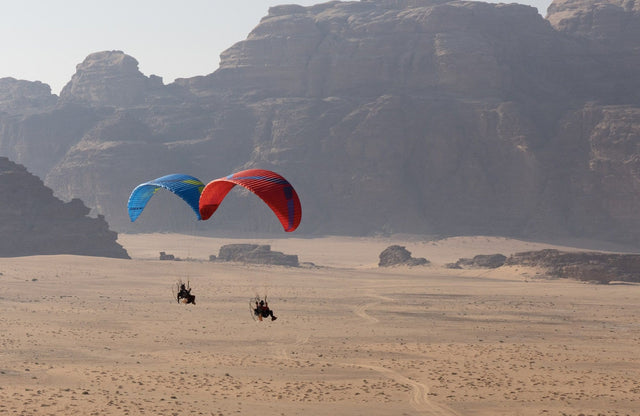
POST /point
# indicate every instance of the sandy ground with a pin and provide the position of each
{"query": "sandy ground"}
(95, 336)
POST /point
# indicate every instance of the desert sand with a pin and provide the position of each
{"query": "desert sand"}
(96, 336)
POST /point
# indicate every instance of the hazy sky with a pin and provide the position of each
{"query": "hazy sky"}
(44, 40)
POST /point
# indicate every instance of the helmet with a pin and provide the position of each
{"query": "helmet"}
(261, 302)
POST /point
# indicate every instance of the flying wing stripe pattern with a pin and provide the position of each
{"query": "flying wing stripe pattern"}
(272, 188)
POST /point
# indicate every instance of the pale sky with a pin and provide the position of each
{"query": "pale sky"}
(44, 40)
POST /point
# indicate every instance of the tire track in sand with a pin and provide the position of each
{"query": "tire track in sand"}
(361, 309)
(419, 392)
(419, 395)
(300, 341)
(419, 399)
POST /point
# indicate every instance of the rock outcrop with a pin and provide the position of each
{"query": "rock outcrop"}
(165, 256)
(110, 78)
(396, 255)
(256, 254)
(17, 96)
(415, 116)
(481, 261)
(34, 222)
(586, 266)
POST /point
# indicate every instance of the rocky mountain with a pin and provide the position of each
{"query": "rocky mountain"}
(388, 116)
(34, 222)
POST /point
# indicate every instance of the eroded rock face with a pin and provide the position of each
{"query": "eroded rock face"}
(23, 96)
(613, 21)
(34, 222)
(109, 78)
(369, 48)
(412, 116)
(610, 29)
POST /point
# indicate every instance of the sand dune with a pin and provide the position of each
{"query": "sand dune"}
(94, 336)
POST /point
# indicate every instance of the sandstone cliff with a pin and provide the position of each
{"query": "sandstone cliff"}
(33, 221)
(432, 117)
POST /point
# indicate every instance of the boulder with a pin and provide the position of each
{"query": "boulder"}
(165, 256)
(396, 255)
(256, 254)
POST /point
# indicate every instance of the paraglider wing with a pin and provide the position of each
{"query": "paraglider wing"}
(186, 187)
(272, 188)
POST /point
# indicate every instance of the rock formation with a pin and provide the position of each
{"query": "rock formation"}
(255, 253)
(481, 261)
(109, 78)
(34, 222)
(414, 116)
(165, 256)
(587, 266)
(399, 256)
(17, 96)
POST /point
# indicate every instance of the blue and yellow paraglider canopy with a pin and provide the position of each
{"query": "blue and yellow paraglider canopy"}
(186, 187)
